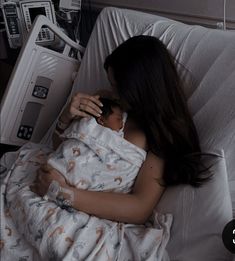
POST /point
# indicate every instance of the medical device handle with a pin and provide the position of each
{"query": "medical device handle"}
(41, 21)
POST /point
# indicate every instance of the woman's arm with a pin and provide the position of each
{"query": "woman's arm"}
(130, 208)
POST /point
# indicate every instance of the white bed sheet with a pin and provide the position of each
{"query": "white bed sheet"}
(205, 53)
(208, 55)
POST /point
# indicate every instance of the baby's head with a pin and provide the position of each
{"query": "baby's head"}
(112, 115)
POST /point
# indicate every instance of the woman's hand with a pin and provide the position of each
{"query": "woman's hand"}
(82, 105)
(45, 175)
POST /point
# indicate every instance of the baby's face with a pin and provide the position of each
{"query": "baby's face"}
(115, 120)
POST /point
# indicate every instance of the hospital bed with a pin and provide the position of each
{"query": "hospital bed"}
(209, 56)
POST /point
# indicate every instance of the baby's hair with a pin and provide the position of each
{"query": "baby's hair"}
(108, 105)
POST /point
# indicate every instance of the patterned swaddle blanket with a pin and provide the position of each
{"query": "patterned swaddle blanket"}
(94, 158)
(97, 158)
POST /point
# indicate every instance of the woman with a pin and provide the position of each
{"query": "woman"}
(143, 74)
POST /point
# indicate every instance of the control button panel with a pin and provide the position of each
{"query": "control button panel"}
(25, 132)
(13, 26)
(31, 10)
(40, 92)
(11, 17)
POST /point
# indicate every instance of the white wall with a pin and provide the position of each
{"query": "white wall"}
(205, 12)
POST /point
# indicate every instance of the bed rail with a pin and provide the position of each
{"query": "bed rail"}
(38, 87)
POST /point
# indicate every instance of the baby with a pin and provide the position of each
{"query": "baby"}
(93, 156)
(112, 115)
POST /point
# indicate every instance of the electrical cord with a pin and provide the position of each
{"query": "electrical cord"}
(62, 18)
(224, 23)
(90, 16)
(78, 21)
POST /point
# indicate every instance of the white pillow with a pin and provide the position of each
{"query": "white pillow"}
(199, 216)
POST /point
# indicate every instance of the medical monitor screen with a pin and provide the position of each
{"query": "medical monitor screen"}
(33, 12)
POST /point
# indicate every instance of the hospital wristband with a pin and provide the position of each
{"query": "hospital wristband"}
(55, 194)
(53, 191)
(64, 203)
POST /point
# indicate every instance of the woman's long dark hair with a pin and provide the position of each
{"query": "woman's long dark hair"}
(147, 81)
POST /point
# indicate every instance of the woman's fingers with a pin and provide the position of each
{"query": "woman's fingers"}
(45, 167)
(36, 189)
(33, 188)
(79, 113)
(41, 183)
(83, 105)
(93, 98)
(90, 108)
(45, 175)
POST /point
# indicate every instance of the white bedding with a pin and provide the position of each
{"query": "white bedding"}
(209, 57)
(42, 230)
(206, 64)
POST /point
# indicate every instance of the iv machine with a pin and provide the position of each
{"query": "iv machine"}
(19, 17)
(38, 88)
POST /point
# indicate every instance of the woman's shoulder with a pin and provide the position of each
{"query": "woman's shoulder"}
(135, 135)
